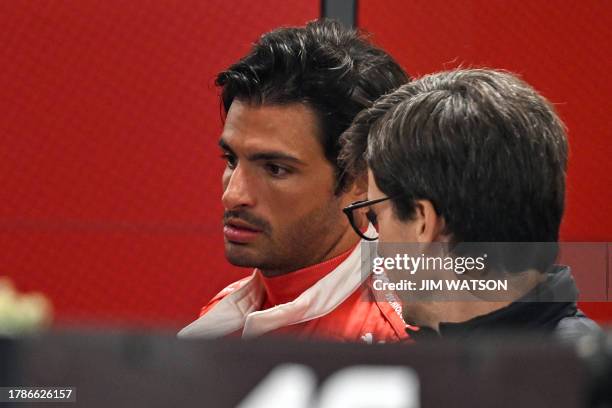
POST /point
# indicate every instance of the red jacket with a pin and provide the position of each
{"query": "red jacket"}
(332, 301)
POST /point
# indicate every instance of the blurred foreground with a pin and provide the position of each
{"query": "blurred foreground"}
(126, 369)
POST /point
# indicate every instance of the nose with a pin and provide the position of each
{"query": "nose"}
(237, 188)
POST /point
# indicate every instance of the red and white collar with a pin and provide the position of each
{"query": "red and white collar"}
(239, 309)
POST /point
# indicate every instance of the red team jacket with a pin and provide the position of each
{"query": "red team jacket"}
(332, 300)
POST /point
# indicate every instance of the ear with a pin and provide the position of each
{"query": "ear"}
(357, 190)
(429, 225)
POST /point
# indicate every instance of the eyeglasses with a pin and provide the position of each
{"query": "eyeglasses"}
(371, 216)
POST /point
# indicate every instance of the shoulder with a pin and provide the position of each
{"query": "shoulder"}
(572, 328)
(370, 319)
(223, 293)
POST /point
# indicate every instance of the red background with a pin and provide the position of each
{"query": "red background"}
(109, 120)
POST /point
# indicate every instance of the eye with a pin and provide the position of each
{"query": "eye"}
(276, 170)
(230, 160)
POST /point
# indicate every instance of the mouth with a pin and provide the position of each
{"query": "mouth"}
(240, 232)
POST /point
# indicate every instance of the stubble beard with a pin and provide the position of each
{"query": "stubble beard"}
(306, 242)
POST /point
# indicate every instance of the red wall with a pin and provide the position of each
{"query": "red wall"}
(108, 159)
(561, 47)
(109, 121)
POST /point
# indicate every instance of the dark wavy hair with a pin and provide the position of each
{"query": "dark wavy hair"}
(484, 147)
(333, 70)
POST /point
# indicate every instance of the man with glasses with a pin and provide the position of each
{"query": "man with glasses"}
(464, 160)
(286, 104)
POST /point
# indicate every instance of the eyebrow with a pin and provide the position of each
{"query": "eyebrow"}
(223, 144)
(265, 155)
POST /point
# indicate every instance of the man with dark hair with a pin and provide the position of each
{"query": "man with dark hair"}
(286, 104)
(471, 156)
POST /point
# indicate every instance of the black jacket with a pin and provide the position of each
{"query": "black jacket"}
(550, 308)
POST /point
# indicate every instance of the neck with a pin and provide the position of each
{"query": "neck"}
(347, 240)
(432, 313)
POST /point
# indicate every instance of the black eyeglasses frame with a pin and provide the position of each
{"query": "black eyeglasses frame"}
(348, 210)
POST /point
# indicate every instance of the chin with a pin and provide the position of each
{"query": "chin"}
(237, 260)
(240, 255)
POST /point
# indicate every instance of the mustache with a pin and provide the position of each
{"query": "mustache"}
(247, 217)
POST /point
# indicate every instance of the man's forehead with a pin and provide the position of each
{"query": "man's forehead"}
(290, 128)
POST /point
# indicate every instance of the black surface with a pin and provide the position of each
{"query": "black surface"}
(138, 370)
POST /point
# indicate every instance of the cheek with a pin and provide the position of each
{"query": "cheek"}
(390, 229)
(299, 209)
(384, 231)
(278, 205)
(297, 195)
(283, 206)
